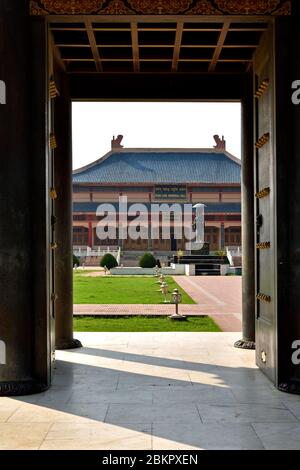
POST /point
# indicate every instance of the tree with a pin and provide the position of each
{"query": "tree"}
(75, 261)
(109, 261)
(147, 261)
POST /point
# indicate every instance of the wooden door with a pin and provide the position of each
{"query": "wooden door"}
(265, 208)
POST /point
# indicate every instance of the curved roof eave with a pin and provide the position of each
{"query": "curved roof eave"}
(155, 150)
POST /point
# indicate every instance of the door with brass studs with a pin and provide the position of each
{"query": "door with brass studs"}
(52, 94)
(265, 208)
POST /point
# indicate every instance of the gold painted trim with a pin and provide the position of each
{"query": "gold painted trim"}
(263, 193)
(263, 245)
(53, 194)
(53, 91)
(264, 297)
(53, 143)
(262, 88)
(263, 357)
(263, 140)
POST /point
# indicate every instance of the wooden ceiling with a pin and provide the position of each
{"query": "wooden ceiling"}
(90, 45)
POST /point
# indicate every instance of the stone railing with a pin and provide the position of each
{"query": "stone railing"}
(86, 251)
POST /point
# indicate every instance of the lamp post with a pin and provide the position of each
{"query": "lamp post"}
(161, 279)
(176, 299)
(161, 282)
(165, 291)
(157, 275)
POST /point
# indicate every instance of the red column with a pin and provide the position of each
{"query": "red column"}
(90, 235)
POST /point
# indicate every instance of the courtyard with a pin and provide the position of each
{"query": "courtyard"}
(143, 323)
(153, 391)
(217, 297)
(91, 287)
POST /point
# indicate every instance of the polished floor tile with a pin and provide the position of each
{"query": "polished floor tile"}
(153, 391)
(82, 436)
(8, 407)
(138, 396)
(275, 436)
(164, 412)
(22, 436)
(244, 414)
(208, 437)
(204, 394)
(31, 413)
(257, 395)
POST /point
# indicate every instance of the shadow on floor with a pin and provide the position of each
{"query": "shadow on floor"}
(110, 399)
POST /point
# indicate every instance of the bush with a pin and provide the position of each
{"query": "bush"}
(109, 261)
(75, 260)
(147, 261)
(220, 253)
(224, 255)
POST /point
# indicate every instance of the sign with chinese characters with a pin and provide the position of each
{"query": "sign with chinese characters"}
(170, 192)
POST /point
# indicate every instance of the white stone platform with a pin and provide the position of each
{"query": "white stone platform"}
(154, 391)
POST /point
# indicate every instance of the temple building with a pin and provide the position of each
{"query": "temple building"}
(160, 176)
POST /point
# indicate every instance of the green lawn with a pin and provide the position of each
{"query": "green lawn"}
(121, 290)
(138, 323)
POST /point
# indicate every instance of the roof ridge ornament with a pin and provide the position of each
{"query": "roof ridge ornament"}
(221, 143)
(116, 143)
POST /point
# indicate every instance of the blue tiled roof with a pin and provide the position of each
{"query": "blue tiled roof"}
(218, 207)
(157, 166)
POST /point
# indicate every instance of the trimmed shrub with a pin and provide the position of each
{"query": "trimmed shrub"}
(75, 260)
(147, 261)
(224, 255)
(109, 261)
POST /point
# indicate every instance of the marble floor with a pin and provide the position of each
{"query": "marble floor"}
(154, 391)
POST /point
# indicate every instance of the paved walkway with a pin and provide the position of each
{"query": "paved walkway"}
(159, 391)
(217, 296)
(220, 297)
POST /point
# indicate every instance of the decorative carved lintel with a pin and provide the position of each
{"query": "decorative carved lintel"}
(160, 7)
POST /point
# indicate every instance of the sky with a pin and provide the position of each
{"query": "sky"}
(152, 124)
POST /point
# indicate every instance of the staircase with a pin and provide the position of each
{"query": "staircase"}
(205, 265)
(92, 261)
(207, 268)
(131, 258)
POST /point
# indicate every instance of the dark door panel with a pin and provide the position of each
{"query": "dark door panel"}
(265, 184)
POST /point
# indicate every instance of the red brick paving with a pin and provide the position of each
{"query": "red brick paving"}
(220, 297)
(216, 296)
